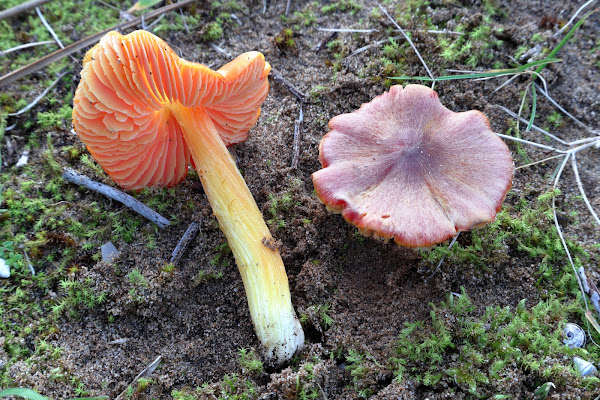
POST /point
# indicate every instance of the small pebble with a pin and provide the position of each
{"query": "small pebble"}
(109, 252)
(4, 269)
(23, 160)
(585, 368)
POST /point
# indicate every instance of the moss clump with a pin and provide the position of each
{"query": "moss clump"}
(528, 228)
(481, 353)
(285, 40)
(212, 31)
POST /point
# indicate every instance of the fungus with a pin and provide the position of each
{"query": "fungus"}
(405, 167)
(145, 114)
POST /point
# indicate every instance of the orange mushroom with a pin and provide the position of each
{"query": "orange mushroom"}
(144, 114)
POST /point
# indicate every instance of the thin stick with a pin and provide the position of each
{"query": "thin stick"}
(534, 127)
(507, 82)
(21, 8)
(580, 187)
(184, 242)
(572, 18)
(149, 27)
(287, 7)
(71, 176)
(364, 48)
(521, 108)
(295, 91)
(578, 122)
(83, 43)
(324, 42)
(26, 46)
(595, 139)
(49, 28)
(350, 30)
(347, 30)
(145, 373)
(297, 138)
(543, 146)
(41, 96)
(409, 41)
(564, 244)
(445, 32)
(187, 28)
(559, 170)
(444, 256)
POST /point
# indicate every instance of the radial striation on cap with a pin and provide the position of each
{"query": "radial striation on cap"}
(404, 167)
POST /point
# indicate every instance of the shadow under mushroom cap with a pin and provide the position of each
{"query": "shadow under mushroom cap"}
(405, 167)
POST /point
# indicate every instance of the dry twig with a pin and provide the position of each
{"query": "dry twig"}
(324, 42)
(295, 91)
(145, 373)
(184, 242)
(297, 138)
(71, 176)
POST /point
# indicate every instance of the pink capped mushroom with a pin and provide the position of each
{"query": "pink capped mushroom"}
(404, 167)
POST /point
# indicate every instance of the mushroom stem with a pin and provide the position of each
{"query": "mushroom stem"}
(259, 263)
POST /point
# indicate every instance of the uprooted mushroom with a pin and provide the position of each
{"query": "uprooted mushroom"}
(144, 114)
(406, 168)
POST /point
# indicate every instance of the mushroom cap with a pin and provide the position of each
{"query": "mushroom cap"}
(122, 106)
(405, 167)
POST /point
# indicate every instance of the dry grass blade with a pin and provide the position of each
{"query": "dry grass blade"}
(409, 41)
(542, 146)
(378, 43)
(41, 96)
(534, 127)
(26, 46)
(572, 18)
(561, 109)
(49, 28)
(84, 43)
(539, 161)
(145, 373)
(443, 257)
(581, 191)
(590, 317)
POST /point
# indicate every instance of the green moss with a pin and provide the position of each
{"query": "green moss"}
(49, 119)
(480, 351)
(350, 6)
(285, 39)
(250, 361)
(528, 228)
(212, 31)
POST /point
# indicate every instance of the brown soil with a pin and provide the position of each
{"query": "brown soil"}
(373, 288)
